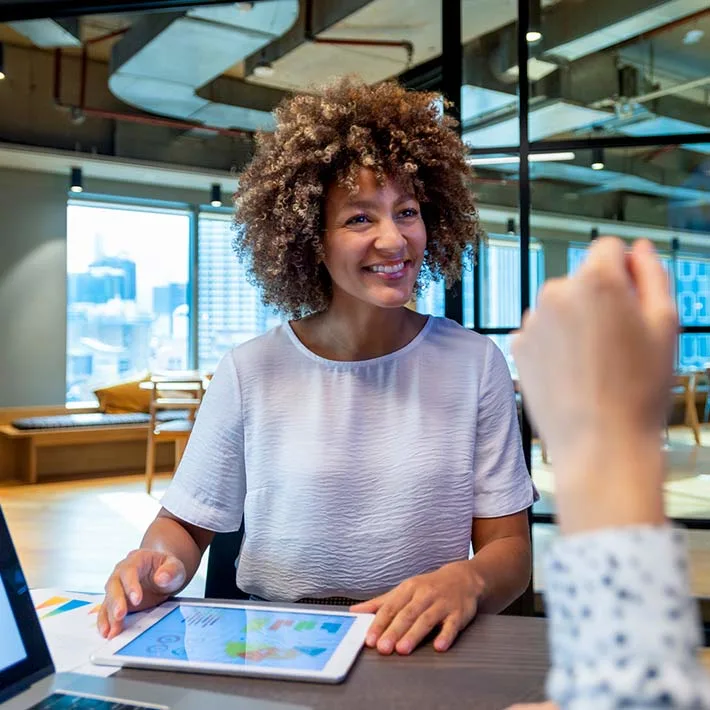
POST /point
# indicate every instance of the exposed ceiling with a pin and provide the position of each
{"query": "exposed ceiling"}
(577, 92)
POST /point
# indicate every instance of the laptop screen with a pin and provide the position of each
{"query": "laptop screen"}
(24, 656)
(12, 650)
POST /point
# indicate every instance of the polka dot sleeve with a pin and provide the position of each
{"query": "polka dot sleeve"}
(624, 629)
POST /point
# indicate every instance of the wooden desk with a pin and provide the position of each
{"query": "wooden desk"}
(497, 661)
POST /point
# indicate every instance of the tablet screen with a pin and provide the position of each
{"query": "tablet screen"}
(245, 637)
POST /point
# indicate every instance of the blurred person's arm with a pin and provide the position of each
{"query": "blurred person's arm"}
(595, 361)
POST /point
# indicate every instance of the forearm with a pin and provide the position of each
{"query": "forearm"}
(623, 626)
(622, 471)
(502, 569)
(166, 534)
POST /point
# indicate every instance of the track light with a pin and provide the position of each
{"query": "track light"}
(675, 245)
(511, 226)
(598, 159)
(514, 159)
(594, 234)
(2, 61)
(534, 33)
(76, 183)
(216, 195)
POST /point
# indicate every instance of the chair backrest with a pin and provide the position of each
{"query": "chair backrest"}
(221, 573)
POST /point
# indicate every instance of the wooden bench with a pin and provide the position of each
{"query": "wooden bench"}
(20, 447)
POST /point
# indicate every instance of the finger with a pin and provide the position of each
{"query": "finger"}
(390, 607)
(115, 605)
(169, 577)
(102, 620)
(131, 584)
(368, 607)
(401, 624)
(449, 631)
(609, 255)
(418, 631)
(650, 278)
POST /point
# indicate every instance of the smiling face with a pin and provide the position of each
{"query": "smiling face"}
(374, 241)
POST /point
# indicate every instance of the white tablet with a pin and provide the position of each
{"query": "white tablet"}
(266, 641)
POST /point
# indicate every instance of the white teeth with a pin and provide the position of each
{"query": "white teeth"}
(378, 268)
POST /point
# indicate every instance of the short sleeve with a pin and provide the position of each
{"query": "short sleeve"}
(502, 484)
(209, 485)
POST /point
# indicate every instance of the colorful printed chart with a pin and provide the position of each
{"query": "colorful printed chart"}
(61, 605)
(68, 621)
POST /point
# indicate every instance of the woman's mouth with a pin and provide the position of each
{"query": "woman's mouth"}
(391, 271)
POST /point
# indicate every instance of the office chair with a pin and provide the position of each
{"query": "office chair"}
(220, 582)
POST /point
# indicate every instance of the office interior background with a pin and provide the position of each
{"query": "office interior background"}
(122, 135)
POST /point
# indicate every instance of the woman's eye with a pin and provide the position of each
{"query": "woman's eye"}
(358, 219)
(409, 212)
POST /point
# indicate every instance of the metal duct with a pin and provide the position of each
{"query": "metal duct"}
(164, 59)
(608, 181)
(49, 33)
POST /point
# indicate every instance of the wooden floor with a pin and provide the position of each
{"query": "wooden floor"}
(71, 534)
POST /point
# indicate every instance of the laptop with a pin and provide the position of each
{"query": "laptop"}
(28, 680)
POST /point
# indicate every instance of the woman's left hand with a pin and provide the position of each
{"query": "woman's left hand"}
(404, 616)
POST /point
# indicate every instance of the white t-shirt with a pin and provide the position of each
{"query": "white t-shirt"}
(352, 476)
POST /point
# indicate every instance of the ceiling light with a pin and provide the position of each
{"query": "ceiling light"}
(511, 226)
(2, 61)
(594, 234)
(216, 195)
(598, 159)
(263, 68)
(514, 159)
(534, 33)
(693, 36)
(76, 181)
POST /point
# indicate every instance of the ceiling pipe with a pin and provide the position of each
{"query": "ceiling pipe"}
(668, 91)
(144, 119)
(311, 37)
(673, 24)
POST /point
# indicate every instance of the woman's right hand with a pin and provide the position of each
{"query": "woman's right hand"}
(144, 579)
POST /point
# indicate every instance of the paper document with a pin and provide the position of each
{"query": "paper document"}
(68, 621)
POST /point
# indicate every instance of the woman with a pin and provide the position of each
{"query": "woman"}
(596, 361)
(366, 445)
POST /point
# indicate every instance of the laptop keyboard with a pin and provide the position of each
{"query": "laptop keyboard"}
(64, 701)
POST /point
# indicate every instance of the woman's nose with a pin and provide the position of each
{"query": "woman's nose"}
(390, 238)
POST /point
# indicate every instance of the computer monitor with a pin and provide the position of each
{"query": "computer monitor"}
(24, 656)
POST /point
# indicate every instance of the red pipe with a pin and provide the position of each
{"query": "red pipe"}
(311, 37)
(110, 35)
(120, 115)
(405, 44)
(158, 121)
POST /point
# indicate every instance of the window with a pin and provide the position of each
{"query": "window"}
(500, 272)
(576, 254)
(432, 299)
(692, 294)
(230, 308)
(127, 294)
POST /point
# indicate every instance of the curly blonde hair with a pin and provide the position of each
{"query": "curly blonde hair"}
(325, 139)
